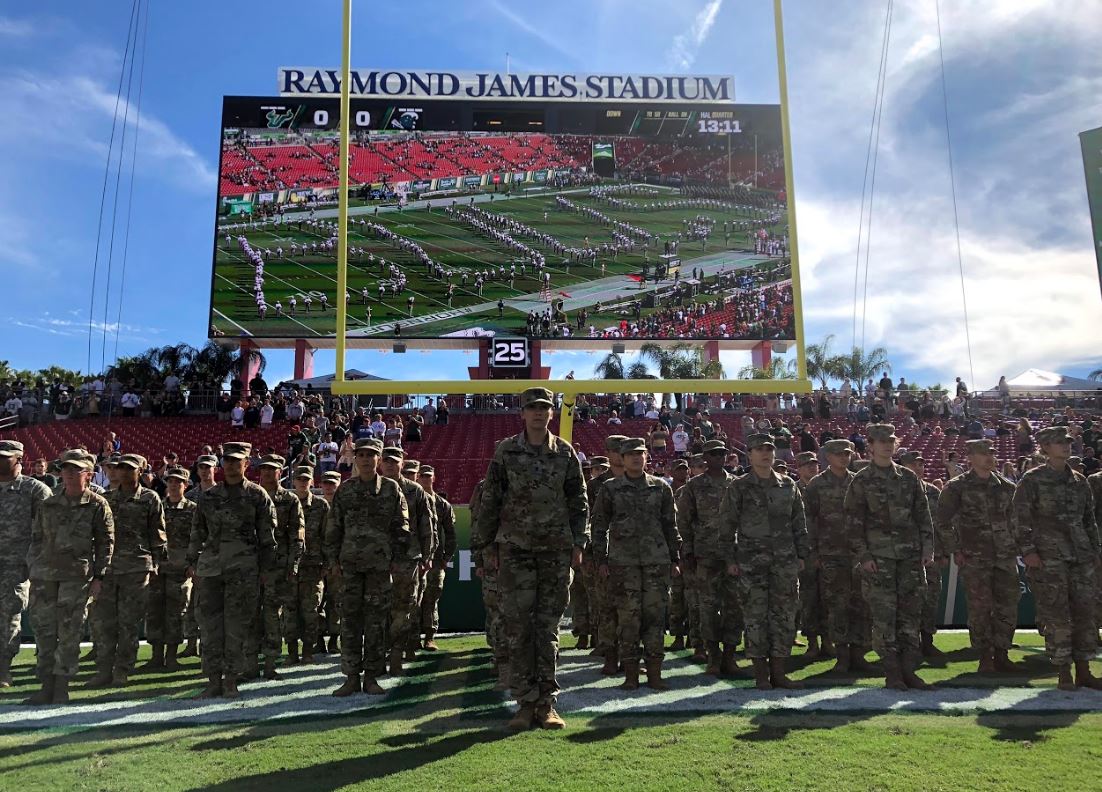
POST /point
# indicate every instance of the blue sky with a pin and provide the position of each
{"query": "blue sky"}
(1024, 79)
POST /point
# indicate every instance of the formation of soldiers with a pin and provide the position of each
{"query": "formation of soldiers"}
(261, 571)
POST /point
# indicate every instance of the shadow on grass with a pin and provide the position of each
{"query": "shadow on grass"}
(1025, 728)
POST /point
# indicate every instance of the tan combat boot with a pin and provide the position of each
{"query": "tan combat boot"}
(372, 686)
(524, 718)
(929, 651)
(612, 662)
(548, 718)
(841, 665)
(857, 661)
(631, 675)
(1064, 680)
(213, 688)
(761, 674)
(654, 674)
(270, 672)
(156, 661)
(61, 690)
(728, 665)
(292, 654)
(678, 643)
(1002, 662)
(827, 649)
(893, 676)
(395, 662)
(909, 662)
(45, 694)
(778, 677)
(986, 664)
(170, 657)
(102, 679)
(229, 687)
(715, 661)
(430, 642)
(192, 648)
(813, 652)
(351, 685)
(1083, 676)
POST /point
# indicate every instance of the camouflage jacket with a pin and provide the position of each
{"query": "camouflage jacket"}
(698, 506)
(71, 538)
(824, 505)
(368, 526)
(234, 531)
(473, 508)
(445, 532)
(194, 493)
(1095, 483)
(20, 500)
(635, 523)
(888, 515)
(140, 541)
(974, 517)
(179, 517)
(315, 514)
(290, 530)
(534, 497)
(762, 521)
(422, 519)
(933, 494)
(1054, 515)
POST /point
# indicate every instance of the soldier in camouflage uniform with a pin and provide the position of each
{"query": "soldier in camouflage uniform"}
(170, 586)
(204, 468)
(140, 548)
(605, 643)
(974, 518)
(367, 541)
(637, 548)
(931, 598)
(584, 601)
(679, 603)
(445, 551)
(813, 612)
(330, 617)
(891, 536)
(277, 586)
(72, 539)
(706, 559)
(1058, 540)
(407, 578)
(411, 470)
(20, 498)
(763, 533)
(1095, 483)
(831, 553)
(697, 466)
(300, 616)
(232, 542)
(491, 601)
(534, 516)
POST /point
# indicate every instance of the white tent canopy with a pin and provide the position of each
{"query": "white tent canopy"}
(1036, 380)
(323, 382)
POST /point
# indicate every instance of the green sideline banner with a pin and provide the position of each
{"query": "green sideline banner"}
(1092, 164)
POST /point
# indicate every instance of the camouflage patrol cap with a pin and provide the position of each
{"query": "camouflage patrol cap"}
(395, 453)
(612, 442)
(372, 444)
(713, 446)
(696, 459)
(599, 461)
(207, 459)
(983, 446)
(304, 471)
(537, 396)
(679, 464)
(807, 458)
(883, 432)
(273, 461)
(427, 470)
(135, 461)
(910, 457)
(178, 473)
(111, 461)
(11, 448)
(1053, 434)
(411, 466)
(860, 464)
(780, 466)
(633, 445)
(77, 458)
(838, 447)
(236, 450)
(759, 441)
(332, 477)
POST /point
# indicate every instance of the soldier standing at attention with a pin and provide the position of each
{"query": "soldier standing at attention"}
(330, 620)
(763, 531)
(72, 539)
(847, 616)
(679, 600)
(232, 542)
(300, 619)
(1095, 483)
(813, 612)
(445, 550)
(534, 513)
(974, 517)
(20, 499)
(605, 642)
(637, 547)
(408, 575)
(140, 547)
(706, 559)
(491, 601)
(204, 469)
(367, 540)
(892, 538)
(277, 585)
(411, 470)
(1058, 541)
(584, 603)
(169, 587)
(931, 598)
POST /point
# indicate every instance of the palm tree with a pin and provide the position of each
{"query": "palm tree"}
(214, 364)
(1095, 375)
(778, 369)
(611, 367)
(860, 365)
(820, 361)
(175, 358)
(681, 361)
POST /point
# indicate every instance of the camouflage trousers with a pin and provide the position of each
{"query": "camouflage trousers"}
(366, 602)
(993, 592)
(58, 611)
(1065, 593)
(227, 614)
(404, 596)
(931, 599)
(768, 591)
(534, 589)
(721, 619)
(191, 615)
(641, 595)
(607, 625)
(266, 634)
(813, 611)
(894, 594)
(580, 605)
(491, 601)
(430, 600)
(301, 621)
(117, 615)
(164, 614)
(678, 620)
(847, 611)
(14, 593)
(331, 606)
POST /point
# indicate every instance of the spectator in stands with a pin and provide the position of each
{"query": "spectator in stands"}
(680, 439)
(224, 406)
(952, 467)
(326, 452)
(442, 411)
(824, 406)
(237, 416)
(414, 427)
(267, 412)
(429, 412)
(393, 435)
(296, 409)
(707, 428)
(614, 418)
(974, 429)
(13, 406)
(258, 387)
(63, 406)
(696, 442)
(1010, 471)
(347, 456)
(378, 426)
(130, 403)
(1025, 436)
(252, 413)
(657, 438)
(40, 472)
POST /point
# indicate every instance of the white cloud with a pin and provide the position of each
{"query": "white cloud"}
(532, 29)
(15, 28)
(685, 45)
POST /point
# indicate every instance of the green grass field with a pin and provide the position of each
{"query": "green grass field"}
(457, 248)
(442, 726)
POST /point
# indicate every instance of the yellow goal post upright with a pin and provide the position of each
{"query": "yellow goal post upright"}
(569, 389)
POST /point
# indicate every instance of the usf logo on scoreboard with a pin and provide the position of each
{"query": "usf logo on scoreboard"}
(604, 159)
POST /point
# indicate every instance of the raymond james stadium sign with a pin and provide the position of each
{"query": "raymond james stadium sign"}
(494, 85)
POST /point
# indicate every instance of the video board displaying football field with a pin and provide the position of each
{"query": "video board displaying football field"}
(561, 221)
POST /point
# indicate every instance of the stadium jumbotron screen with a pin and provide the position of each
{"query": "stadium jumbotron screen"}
(562, 221)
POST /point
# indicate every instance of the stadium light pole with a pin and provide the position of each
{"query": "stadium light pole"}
(342, 193)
